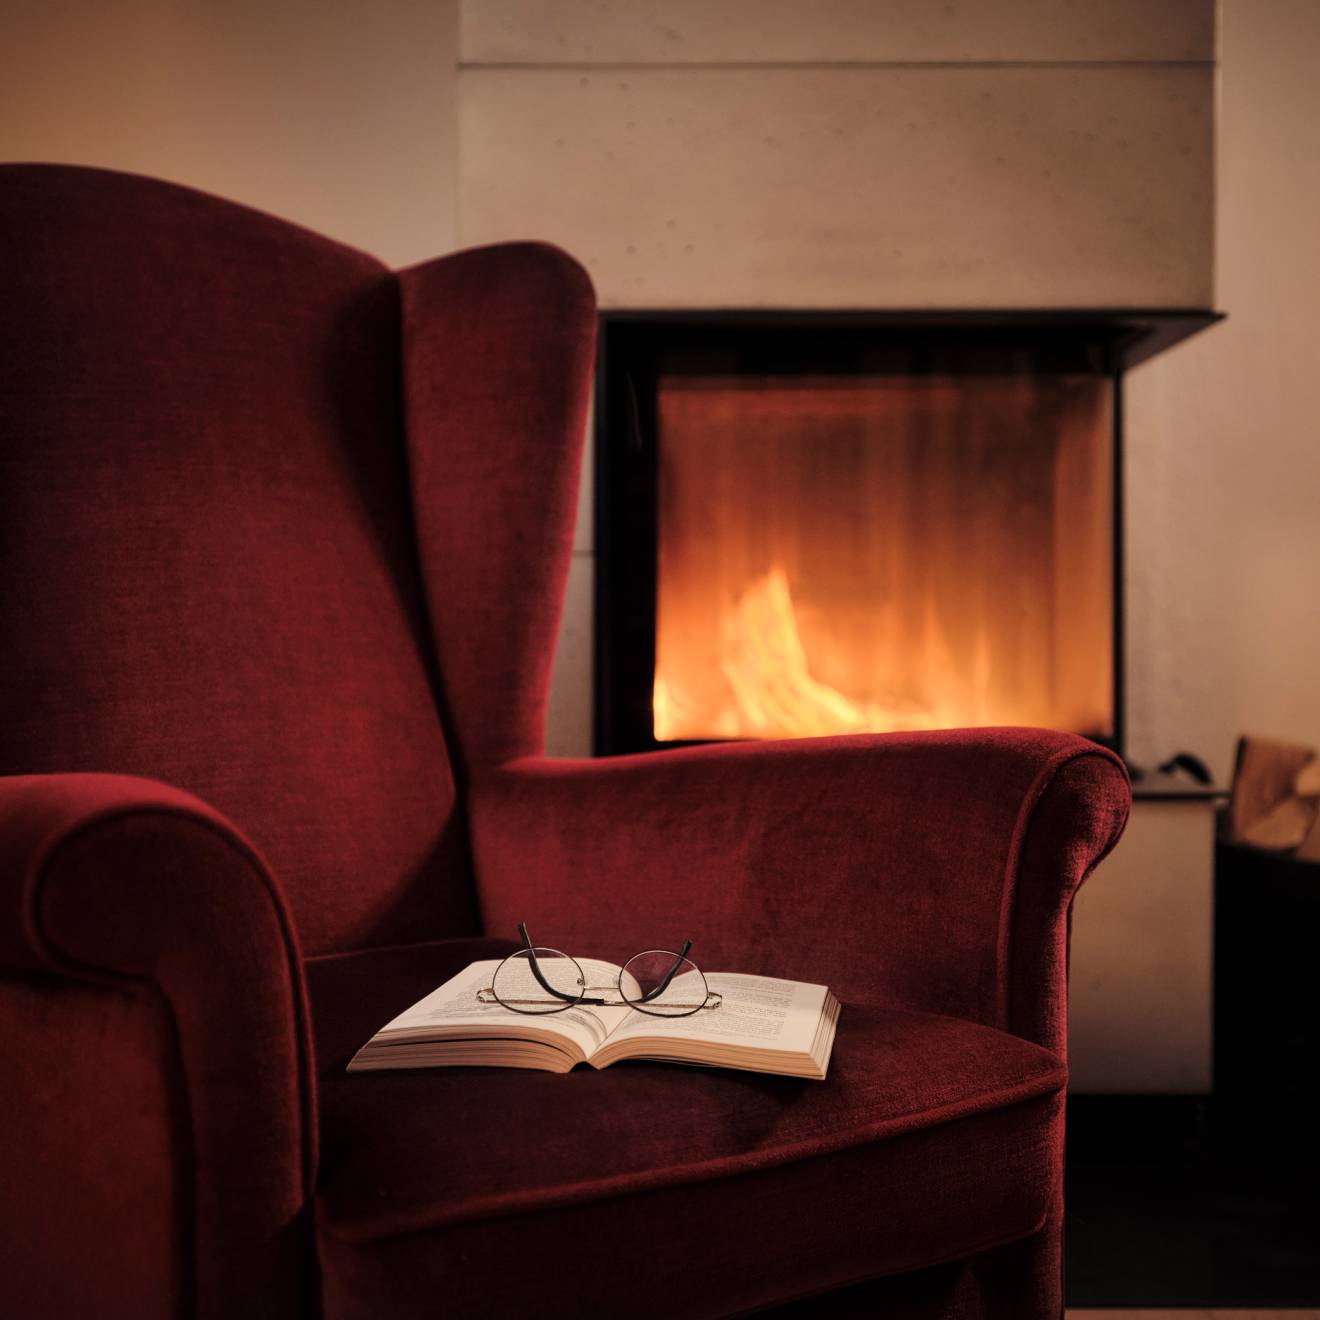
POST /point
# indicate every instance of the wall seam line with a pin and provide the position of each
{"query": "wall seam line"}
(642, 66)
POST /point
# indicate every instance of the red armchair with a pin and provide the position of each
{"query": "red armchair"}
(283, 540)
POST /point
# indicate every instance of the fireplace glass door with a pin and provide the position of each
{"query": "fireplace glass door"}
(848, 553)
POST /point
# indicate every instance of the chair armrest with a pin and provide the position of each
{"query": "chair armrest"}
(129, 884)
(935, 871)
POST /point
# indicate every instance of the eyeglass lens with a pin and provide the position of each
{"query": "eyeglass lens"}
(538, 981)
(663, 984)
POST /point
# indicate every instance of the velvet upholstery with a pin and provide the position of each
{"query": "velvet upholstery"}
(210, 573)
(830, 839)
(123, 883)
(283, 542)
(497, 355)
(840, 1177)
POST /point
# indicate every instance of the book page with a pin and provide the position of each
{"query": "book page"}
(757, 1012)
(452, 1007)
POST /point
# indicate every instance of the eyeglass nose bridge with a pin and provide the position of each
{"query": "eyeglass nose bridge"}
(583, 994)
(714, 998)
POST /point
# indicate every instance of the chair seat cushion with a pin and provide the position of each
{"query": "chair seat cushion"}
(467, 1191)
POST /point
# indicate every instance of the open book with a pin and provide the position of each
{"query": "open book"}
(762, 1025)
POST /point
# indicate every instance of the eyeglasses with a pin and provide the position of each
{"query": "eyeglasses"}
(658, 981)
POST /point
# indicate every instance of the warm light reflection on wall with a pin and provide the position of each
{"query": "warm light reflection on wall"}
(849, 554)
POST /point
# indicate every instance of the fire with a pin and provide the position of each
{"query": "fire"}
(843, 555)
(772, 693)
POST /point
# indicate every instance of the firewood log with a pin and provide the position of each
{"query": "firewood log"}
(1307, 781)
(1284, 827)
(1266, 810)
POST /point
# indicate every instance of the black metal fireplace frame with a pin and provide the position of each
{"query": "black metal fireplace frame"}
(635, 347)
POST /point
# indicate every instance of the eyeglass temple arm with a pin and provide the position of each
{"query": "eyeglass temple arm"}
(536, 970)
(669, 975)
(549, 989)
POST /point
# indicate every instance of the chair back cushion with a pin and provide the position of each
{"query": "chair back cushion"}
(208, 571)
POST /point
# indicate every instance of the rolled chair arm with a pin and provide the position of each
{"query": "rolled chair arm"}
(134, 886)
(934, 871)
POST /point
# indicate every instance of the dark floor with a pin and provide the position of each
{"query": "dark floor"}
(1174, 1201)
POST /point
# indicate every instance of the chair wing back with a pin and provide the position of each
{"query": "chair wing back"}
(498, 356)
(208, 569)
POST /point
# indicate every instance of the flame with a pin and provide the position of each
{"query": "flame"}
(772, 692)
(766, 668)
(840, 554)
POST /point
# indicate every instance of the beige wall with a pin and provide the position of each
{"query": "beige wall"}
(338, 114)
(1140, 998)
(1224, 434)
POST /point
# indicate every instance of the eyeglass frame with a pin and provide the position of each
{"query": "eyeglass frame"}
(571, 1001)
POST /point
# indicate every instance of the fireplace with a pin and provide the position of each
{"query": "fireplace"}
(811, 524)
